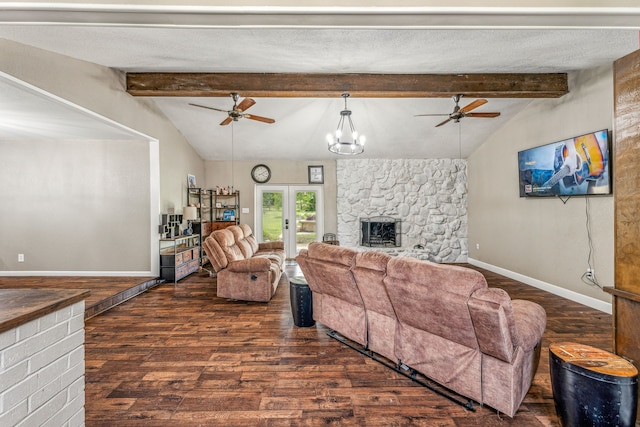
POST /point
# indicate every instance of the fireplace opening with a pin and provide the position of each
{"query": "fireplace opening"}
(380, 231)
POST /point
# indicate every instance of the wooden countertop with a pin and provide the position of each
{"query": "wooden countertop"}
(19, 306)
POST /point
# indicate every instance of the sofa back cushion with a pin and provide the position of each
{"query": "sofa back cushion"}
(249, 237)
(494, 323)
(369, 270)
(330, 266)
(243, 245)
(214, 252)
(433, 297)
(227, 242)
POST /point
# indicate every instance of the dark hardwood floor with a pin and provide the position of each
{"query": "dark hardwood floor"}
(179, 356)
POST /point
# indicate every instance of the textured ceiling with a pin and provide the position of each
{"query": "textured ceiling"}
(302, 124)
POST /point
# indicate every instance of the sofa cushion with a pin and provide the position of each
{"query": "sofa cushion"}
(494, 323)
(227, 242)
(243, 245)
(531, 320)
(249, 237)
(369, 270)
(214, 252)
(424, 293)
(331, 265)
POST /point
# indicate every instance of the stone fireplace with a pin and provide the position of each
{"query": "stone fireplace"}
(428, 197)
(380, 232)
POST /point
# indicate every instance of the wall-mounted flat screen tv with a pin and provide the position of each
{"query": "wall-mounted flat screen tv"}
(577, 166)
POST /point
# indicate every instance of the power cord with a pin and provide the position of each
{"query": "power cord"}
(589, 279)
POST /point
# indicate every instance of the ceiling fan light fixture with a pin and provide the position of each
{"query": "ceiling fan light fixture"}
(345, 146)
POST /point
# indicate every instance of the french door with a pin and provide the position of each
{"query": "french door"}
(291, 213)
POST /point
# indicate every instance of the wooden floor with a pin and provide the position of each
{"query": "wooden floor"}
(179, 356)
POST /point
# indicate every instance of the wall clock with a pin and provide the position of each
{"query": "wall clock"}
(261, 173)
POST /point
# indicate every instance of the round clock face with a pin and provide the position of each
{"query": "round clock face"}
(261, 173)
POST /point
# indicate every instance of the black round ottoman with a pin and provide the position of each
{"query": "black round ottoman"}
(301, 302)
(592, 387)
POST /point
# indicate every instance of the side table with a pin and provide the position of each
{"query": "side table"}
(592, 387)
(301, 302)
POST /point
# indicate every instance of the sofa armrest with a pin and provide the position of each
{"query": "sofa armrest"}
(531, 320)
(271, 245)
(250, 265)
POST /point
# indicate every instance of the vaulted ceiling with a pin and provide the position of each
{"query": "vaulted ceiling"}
(286, 42)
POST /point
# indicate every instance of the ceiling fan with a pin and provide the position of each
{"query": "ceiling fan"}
(459, 113)
(238, 111)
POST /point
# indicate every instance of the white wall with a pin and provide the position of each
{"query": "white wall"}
(543, 239)
(102, 91)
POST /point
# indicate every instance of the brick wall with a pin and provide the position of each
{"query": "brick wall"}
(42, 370)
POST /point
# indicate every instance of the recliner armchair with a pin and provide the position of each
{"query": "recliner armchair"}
(246, 270)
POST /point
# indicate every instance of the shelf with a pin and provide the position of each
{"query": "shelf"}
(179, 257)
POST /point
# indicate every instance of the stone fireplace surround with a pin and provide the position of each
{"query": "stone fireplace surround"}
(429, 196)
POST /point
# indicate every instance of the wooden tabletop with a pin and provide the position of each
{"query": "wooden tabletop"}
(594, 359)
(19, 306)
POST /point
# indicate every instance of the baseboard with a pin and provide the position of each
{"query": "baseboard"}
(548, 287)
(80, 273)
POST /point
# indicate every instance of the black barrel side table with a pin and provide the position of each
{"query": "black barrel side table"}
(301, 302)
(592, 387)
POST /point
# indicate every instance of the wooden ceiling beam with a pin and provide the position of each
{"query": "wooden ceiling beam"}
(302, 85)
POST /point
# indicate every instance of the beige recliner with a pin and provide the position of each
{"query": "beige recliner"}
(247, 270)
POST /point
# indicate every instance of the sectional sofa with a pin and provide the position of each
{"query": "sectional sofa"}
(442, 321)
(246, 270)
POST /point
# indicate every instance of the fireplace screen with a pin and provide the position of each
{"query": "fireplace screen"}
(380, 231)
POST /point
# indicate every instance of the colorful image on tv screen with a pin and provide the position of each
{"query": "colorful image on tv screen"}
(575, 166)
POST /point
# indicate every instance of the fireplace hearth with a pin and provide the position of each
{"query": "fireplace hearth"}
(380, 232)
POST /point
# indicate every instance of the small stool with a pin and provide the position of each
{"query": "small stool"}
(301, 302)
(592, 387)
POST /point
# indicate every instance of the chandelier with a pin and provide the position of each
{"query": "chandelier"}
(347, 143)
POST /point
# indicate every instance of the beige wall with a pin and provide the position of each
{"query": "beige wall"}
(543, 239)
(101, 90)
(218, 173)
(74, 205)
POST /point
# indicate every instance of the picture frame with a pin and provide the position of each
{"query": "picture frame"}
(191, 181)
(316, 174)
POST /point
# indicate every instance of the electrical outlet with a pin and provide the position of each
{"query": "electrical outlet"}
(477, 245)
(590, 274)
(20, 257)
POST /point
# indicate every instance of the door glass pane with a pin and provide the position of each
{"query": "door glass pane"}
(305, 219)
(272, 214)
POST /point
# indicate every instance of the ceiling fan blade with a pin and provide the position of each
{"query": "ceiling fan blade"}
(445, 122)
(474, 104)
(209, 108)
(245, 104)
(483, 115)
(226, 121)
(259, 118)
(425, 115)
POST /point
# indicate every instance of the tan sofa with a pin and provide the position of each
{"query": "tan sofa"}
(246, 270)
(440, 320)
